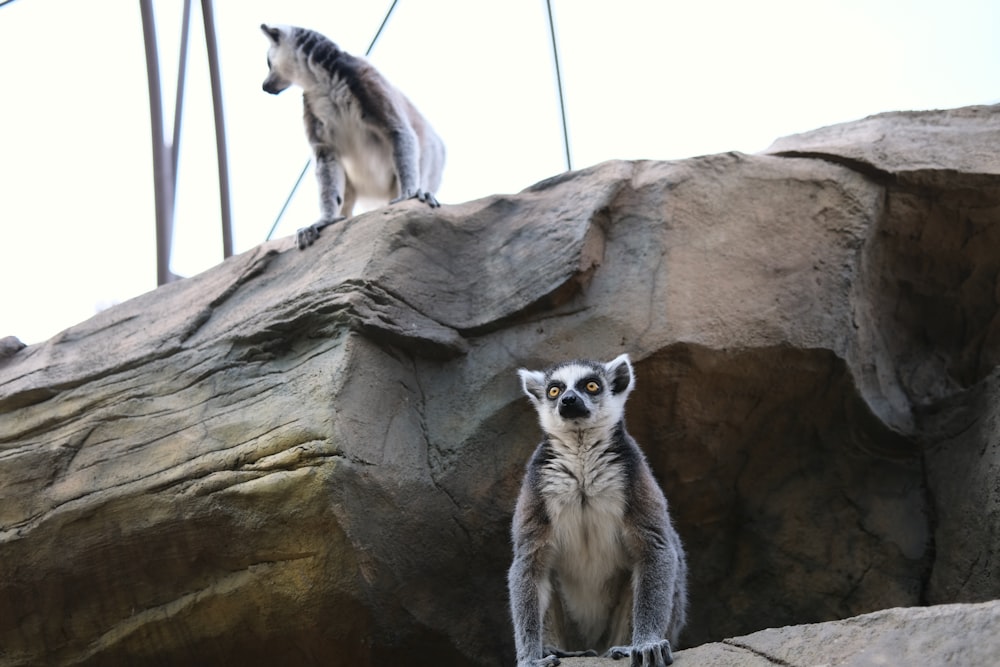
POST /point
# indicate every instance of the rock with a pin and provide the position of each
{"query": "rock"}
(963, 465)
(957, 634)
(930, 261)
(9, 346)
(908, 146)
(312, 457)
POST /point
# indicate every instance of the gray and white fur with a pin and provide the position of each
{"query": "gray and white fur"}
(597, 563)
(370, 143)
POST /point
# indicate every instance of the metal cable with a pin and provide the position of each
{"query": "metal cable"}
(562, 103)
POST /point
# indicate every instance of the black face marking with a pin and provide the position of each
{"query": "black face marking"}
(572, 406)
(554, 389)
(589, 385)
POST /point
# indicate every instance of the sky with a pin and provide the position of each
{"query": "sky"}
(643, 79)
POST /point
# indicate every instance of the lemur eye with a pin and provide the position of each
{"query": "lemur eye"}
(593, 387)
(554, 391)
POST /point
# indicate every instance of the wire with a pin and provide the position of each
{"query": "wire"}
(288, 200)
(562, 103)
(305, 168)
(379, 33)
(4, 3)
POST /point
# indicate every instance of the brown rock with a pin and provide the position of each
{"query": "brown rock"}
(907, 145)
(958, 634)
(312, 457)
(963, 465)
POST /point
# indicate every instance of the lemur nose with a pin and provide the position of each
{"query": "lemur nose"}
(569, 399)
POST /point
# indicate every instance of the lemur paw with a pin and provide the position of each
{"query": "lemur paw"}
(308, 235)
(650, 654)
(429, 199)
(422, 195)
(305, 236)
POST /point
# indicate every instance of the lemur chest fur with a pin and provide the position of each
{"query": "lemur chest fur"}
(583, 488)
(359, 146)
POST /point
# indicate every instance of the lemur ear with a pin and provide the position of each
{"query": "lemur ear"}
(274, 34)
(533, 384)
(620, 371)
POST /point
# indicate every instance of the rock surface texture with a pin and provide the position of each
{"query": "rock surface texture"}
(312, 457)
(957, 634)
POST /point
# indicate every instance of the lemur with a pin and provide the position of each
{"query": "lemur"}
(597, 563)
(368, 139)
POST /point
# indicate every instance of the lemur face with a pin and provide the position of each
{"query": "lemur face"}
(278, 58)
(579, 392)
(573, 391)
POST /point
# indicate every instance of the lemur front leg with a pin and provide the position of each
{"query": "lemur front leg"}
(528, 604)
(653, 582)
(336, 198)
(406, 155)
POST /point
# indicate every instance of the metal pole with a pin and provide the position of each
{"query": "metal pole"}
(162, 177)
(220, 127)
(175, 146)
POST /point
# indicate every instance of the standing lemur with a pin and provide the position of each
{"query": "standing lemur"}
(597, 562)
(369, 141)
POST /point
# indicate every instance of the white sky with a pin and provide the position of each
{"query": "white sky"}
(642, 78)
